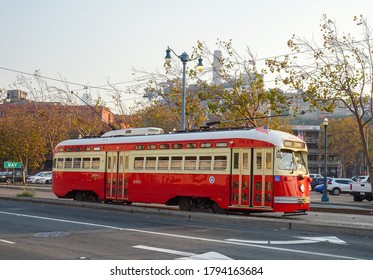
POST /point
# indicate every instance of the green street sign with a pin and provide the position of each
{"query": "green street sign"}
(9, 164)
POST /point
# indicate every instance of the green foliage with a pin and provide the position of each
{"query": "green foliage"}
(21, 138)
(26, 193)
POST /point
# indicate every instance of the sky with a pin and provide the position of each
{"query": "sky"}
(88, 42)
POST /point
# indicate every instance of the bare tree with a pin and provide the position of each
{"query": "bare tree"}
(337, 73)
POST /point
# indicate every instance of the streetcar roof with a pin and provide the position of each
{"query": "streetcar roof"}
(273, 137)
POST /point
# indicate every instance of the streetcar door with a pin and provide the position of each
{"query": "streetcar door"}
(111, 175)
(240, 188)
(122, 188)
(116, 183)
(262, 188)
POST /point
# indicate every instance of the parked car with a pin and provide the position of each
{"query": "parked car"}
(319, 188)
(313, 176)
(336, 186)
(361, 191)
(32, 179)
(317, 181)
(361, 179)
(46, 178)
(9, 177)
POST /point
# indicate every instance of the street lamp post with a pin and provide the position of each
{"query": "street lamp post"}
(184, 57)
(325, 197)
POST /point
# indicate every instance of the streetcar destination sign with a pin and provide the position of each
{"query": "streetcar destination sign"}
(10, 164)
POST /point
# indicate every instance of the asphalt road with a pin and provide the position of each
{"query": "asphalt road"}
(43, 231)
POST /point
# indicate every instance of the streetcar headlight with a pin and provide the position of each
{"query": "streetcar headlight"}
(302, 188)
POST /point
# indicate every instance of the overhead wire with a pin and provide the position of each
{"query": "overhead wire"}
(109, 88)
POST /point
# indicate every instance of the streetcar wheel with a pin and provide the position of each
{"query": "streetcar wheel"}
(336, 191)
(217, 209)
(79, 196)
(185, 204)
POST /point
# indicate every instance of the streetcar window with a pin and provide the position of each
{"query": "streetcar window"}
(259, 161)
(220, 162)
(77, 162)
(139, 163)
(109, 164)
(245, 164)
(206, 145)
(176, 163)
(126, 160)
(60, 163)
(235, 160)
(221, 145)
(97, 149)
(191, 145)
(205, 162)
(152, 147)
(69, 150)
(299, 160)
(150, 162)
(87, 149)
(164, 146)
(177, 146)
(121, 163)
(95, 163)
(78, 149)
(285, 161)
(86, 163)
(190, 163)
(60, 150)
(139, 147)
(268, 160)
(68, 162)
(163, 163)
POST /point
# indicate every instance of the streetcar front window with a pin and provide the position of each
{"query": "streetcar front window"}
(289, 160)
(299, 160)
(285, 160)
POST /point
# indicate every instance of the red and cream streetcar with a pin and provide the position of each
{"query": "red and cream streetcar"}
(226, 170)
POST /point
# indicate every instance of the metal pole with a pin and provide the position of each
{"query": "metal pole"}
(325, 197)
(183, 97)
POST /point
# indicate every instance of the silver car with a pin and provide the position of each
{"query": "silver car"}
(32, 179)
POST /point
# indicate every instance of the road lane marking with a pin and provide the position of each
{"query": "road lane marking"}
(305, 240)
(7, 241)
(186, 255)
(181, 236)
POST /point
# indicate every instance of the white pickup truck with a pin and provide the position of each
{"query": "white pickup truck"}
(361, 191)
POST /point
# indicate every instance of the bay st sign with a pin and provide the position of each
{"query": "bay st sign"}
(10, 164)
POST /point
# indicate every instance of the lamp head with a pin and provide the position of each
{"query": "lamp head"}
(325, 122)
(7, 98)
(200, 65)
(168, 58)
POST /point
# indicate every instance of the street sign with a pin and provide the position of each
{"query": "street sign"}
(10, 164)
